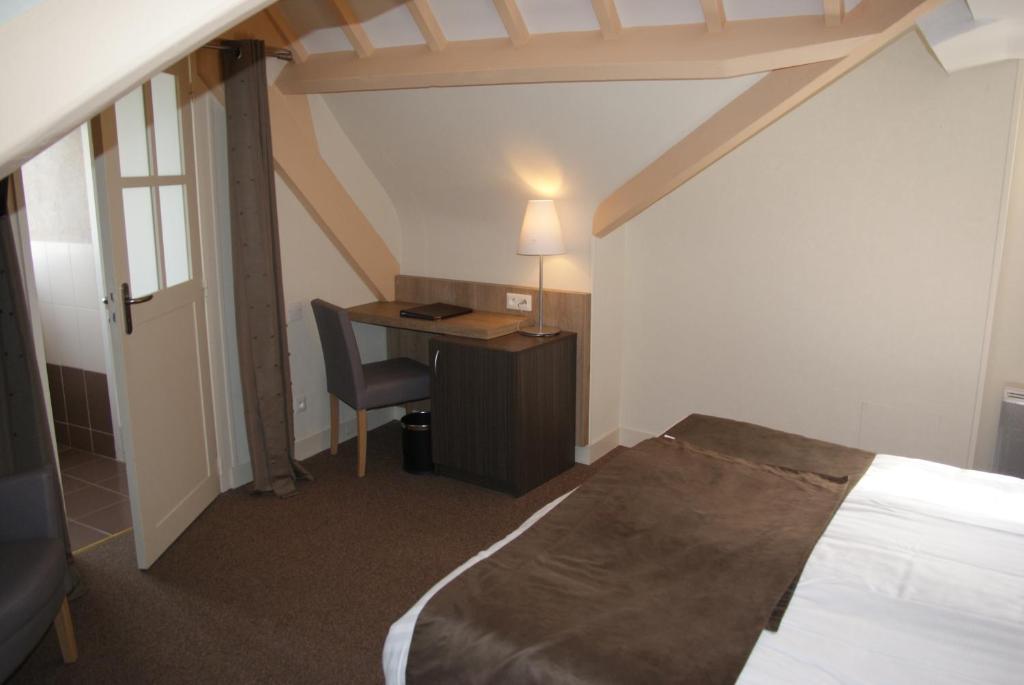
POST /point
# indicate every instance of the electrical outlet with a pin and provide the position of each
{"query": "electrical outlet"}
(295, 312)
(300, 405)
(519, 302)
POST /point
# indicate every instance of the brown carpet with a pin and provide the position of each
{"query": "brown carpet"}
(260, 589)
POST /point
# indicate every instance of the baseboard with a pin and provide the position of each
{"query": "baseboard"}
(318, 442)
(588, 454)
(630, 436)
(240, 475)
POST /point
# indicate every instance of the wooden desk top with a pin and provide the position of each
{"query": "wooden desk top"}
(479, 325)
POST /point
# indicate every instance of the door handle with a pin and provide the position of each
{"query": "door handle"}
(437, 353)
(128, 301)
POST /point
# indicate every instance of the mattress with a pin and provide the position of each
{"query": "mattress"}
(919, 578)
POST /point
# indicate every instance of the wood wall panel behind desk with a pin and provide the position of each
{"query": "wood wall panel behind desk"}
(565, 309)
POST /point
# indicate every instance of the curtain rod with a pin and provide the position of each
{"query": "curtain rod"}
(279, 53)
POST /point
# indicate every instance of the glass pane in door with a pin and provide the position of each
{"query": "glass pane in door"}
(141, 240)
(166, 125)
(174, 228)
(132, 148)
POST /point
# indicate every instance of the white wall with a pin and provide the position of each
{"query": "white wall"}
(460, 164)
(311, 267)
(1005, 364)
(831, 277)
(63, 255)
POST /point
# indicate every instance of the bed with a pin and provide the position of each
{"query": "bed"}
(918, 578)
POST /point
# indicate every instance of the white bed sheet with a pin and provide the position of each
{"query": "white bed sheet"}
(919, 578)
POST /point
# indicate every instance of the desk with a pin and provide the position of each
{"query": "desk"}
(503, 405)
(477, 325)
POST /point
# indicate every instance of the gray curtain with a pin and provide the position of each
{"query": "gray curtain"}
(256, 260)
(26, 441)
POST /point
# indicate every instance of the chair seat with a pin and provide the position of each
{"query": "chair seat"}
(30, 572)
(395, 381)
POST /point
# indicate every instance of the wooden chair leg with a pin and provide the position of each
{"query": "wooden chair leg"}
(361, 422)
(335, 409)
(66, 633)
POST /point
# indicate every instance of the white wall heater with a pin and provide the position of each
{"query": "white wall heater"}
(1010, 448)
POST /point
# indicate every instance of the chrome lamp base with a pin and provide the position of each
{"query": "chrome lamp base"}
(539, 331)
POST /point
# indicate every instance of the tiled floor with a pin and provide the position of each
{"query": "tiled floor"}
(95, 496)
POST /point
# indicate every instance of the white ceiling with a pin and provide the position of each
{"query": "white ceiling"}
(389, 24)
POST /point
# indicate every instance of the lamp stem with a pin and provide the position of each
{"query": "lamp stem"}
(540, 296)
(539, 331)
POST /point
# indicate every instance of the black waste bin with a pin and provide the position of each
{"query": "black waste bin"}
(416, 443)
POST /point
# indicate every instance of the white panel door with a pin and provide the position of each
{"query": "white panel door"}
(150, 239)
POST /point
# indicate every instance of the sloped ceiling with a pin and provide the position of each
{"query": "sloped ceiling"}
(969, 33)
(460, 163)
(66, 61)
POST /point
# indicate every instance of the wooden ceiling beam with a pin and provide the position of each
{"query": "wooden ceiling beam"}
(424, 17)
(834, 11)
(287, 33)
(767, 101)
(607, 18)
(354, 31)
(512, 18)
(714, 15)
(642, 53)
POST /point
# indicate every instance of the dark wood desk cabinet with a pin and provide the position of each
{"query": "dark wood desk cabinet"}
(504, 410)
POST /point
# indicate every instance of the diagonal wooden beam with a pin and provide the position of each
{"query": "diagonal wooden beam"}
(298, 160)
(353, 29)
(834, 10)
(642, 53)
(714, 15)
(424, 17)
(291, 38)
(512, 18)
(607, 18)
(767, 101)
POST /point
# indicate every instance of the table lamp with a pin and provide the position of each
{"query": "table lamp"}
(541, 235)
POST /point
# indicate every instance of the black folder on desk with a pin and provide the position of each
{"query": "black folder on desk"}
(435, 312)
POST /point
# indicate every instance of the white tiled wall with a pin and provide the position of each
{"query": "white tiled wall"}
(69, 298)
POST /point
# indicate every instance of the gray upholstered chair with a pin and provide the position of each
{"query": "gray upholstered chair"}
(362, 386)
(33, 569)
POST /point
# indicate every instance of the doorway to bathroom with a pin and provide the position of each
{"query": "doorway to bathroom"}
(62, 232)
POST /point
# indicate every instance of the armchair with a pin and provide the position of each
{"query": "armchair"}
(33, 569)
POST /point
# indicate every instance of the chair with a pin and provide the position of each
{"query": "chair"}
(33, 569)
(362, 386)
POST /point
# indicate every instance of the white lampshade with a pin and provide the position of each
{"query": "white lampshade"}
(542, 232)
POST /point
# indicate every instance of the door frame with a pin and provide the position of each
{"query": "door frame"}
(215, 238)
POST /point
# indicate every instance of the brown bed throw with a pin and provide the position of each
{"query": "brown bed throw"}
(767, 446)
(663, 567)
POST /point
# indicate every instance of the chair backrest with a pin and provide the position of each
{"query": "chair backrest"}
(341, 354)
